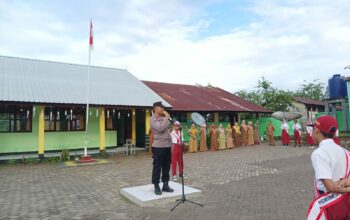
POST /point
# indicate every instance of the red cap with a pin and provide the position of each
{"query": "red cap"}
(326, 124)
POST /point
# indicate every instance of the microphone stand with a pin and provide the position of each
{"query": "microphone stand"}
(183, 198)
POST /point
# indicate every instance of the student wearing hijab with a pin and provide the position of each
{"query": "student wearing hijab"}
(285, 134)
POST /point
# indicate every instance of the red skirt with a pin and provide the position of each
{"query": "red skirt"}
(285, 137)
(309, 140)
(339, 210)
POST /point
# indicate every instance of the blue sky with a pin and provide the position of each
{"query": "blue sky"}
(230, 44)
(223, 17)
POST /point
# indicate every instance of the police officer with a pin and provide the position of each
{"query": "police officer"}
(161, 148)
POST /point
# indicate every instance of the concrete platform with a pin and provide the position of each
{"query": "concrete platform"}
(144, 195)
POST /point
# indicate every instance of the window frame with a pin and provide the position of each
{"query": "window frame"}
(69, 122)
(225, 116)
(14, 111)
(114, 126)
(124, 112)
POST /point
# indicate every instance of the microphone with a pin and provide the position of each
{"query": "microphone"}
(170, 119)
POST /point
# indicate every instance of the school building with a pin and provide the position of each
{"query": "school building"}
(222, 106)
(43, 107)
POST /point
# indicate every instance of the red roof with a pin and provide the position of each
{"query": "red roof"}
(308, 101)
(202, 98)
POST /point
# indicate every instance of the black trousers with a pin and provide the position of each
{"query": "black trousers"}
(161, 163)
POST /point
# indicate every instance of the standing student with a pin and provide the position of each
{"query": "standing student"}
(176, 153)
(309, 130)
(271, 134)
(332, 170)
(193, 145)
(256, 133)
(237, 134)
(222, 138)
(214, 138)
(285, 134)
(297, 133)
(229, 139)
(250, 132)
(203, 139)
(244, 132)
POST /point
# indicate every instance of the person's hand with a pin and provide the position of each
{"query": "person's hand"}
(343, 183)
(166, 114)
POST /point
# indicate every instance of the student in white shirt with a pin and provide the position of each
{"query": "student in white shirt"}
(309, 130)
(285, 133)
(176, 160)
(331, 164)
(297, 133)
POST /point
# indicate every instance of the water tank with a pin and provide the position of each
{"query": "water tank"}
(337, 87)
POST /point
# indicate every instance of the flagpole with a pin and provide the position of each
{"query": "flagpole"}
(87, 93)
(87, 105)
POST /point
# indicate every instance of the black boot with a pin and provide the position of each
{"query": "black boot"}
(157, 190)
(166, 188)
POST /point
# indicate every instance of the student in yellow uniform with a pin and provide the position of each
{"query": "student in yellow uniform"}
(193, 145)
(229, 139)
(250, 134)
(237, 134)
(222, 138)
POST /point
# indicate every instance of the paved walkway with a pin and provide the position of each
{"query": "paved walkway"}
(260, 182)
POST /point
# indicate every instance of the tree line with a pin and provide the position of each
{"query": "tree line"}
(274, 99)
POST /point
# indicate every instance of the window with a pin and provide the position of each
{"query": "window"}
(175, 115)
(49, 120)
(5, 122)
(111, 117)
(15, 118)
(183, 117)
(77, 120)
(63, 119)
(224, 117)
(210, 117)
(179, 116)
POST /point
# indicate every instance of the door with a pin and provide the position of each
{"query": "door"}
(140, 128)
(121, 129)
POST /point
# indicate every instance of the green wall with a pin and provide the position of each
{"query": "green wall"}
(21, 142)
(263, 122)
(339, 116)
(28, 142)
(75, 139)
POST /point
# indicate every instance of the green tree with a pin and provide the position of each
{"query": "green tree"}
(251, 96)
(312, 90)
(267, 96)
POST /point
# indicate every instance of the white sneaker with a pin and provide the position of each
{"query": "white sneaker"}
(174, 178)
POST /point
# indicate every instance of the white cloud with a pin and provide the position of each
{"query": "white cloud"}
(287, 42)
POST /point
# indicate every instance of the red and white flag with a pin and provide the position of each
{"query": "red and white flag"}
(91, 40)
